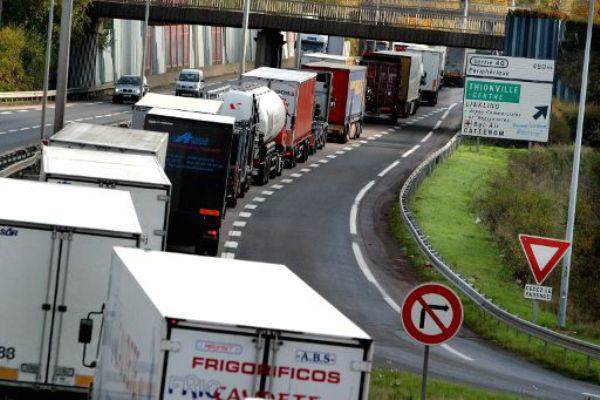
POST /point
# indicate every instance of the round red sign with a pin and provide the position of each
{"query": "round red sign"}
(432, 313)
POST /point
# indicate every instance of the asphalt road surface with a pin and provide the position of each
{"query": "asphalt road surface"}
(327, 221)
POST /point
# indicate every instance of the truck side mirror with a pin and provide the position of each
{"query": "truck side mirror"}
(86, 326)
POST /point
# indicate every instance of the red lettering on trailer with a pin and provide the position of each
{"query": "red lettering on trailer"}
(303, 374)
(212, 363)
(334, 377)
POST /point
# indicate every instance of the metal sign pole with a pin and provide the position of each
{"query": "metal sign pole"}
(47, 68)
(564, 280)
(425, 370)
(245, 20)
(62, 78)
(144, 45)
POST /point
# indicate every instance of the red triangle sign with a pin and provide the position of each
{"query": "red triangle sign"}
(543, 254)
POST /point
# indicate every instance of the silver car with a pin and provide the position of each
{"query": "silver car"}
(190, 82)
(128, 88)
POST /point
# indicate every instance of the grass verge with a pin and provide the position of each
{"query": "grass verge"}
(396, 385)
(442, 207)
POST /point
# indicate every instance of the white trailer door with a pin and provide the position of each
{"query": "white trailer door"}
(431, 66)
(83, 287)
(317, 370)
(151, 206)
(212, 364)
(288, 91)
(26, 296)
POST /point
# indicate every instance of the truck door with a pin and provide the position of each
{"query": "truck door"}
(152, 207)
(323, 91)
(316, 369)
(27, 291)
(82, 287)
(212, 364)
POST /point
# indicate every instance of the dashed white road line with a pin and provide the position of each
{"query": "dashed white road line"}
(259, 199)
(356, 144)
(6, 113)
(437, 125)
(348, 148)
(277, 186)
(354, 209)
(235, 233)
(426, 138)
(267, 192)
(377, 135)
(231, 245)
(296, 175)
(364, 142)
(595, 396)
(409, 152)
(239, 224)
(305, 170)
(244, 214)
(332, 156)
(388, 168)
(287, 180)
(250, 206)
(228, 255)
(372, 138)
(323, 161)
(340, 152)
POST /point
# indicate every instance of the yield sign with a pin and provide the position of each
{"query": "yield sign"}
(543, 254)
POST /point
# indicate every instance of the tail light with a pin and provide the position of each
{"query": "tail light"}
(209, 212)
(212, 233)
(434, 84)
(288, 153)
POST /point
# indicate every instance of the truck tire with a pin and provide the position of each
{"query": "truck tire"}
(359, 128)
(405, 112)
(345, 136)
(434, 100)
(232, 201)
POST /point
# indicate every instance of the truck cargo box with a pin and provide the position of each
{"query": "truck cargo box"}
(198, 159)
(297, 89)
(155, 100)
(109, 138)
(140, 175)
(348, 94)
(185, 327)
(393, 82)
(55, 245)
(308, 58)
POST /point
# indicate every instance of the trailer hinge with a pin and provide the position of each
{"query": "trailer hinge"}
(162, 197)
(170, 345)
(360, 366)
(158, 232)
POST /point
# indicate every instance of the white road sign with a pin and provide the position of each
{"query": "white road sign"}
(536, 292)
(508, 98)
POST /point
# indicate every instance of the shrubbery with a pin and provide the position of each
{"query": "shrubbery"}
(531, 196)
(21, 60)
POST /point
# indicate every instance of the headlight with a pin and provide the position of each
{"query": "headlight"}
(136, 90)
(117, 90)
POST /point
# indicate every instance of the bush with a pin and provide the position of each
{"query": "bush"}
(563, 123)
(532, 197)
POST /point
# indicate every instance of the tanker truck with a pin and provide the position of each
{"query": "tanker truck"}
(261, 112)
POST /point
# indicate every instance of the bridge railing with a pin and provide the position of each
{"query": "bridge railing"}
(381, 14)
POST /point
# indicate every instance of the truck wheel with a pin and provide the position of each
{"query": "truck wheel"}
(232, 201)
(359, 128)
(434, 100)
(345, 136)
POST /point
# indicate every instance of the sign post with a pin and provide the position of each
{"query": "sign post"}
(431, 314)
(507, 97)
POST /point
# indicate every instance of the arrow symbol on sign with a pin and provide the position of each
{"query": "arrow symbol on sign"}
(541, 111)
(432, 307)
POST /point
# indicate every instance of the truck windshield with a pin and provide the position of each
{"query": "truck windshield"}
(313, 47)
(189, 77)
(129, 80)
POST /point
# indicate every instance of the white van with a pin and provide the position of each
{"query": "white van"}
(190, 83)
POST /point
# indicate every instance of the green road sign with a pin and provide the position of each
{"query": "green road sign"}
(493, 91)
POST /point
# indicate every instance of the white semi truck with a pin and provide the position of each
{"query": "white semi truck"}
(56, 243)
(179, 327)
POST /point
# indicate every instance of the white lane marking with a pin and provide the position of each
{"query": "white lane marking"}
(448, 111)
(259, 199)
(6, 113)
(228, 255)
(2, 133)
(287, 180)
(36, 127)
(355, 144)
(332, 156)
(305, 170)
(364, 142)
(22, 111)
(235, 233)
(267, 192)
(296, 175)
(439, 123)
(426, 138)
(354, 209)
(348, 148)
(101, 116)
(377, 135)
(385, 133)
(277, 186)
(391, 130)
(12, 130)
(388, 169)
(239, 224)
(315, 165)
(244, 214)
(363, 191)
(372, 138)
(362, 264)
(231, 245)
(455, 352)
(250, 206)
(595, 396)
(24, 129)
(340, 152)
(409, 152)
(323, 161)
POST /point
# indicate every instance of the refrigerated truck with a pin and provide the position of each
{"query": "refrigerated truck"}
(109, 138)
(297, 90)
(156, 100)
(393, 84)
(56, 243)
(140, 175)
(180, 326)
(348, 98)
(198, 166)
(433, 66)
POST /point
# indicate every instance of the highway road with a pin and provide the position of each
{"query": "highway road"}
(327, 220)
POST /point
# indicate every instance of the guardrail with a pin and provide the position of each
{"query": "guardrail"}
(18, 160)
(546, 335)
(416, 17)
(14, 97)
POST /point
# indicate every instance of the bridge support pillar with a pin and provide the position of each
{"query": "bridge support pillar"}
(82, 60)
(269, 49)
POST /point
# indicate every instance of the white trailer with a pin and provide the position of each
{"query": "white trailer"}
(178, 326)
(55, 246)
(140, 175)
(109, 138)
(168, 102)
(308, 58)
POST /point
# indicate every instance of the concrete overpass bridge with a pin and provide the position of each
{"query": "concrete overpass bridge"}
(427, 21)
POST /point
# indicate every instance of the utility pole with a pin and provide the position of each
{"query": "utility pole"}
(465, 16)
(60, 100)
(144, 45)
(564, 279)
(299, 40)
(47, 68)
(0, 13)
(245, 20)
